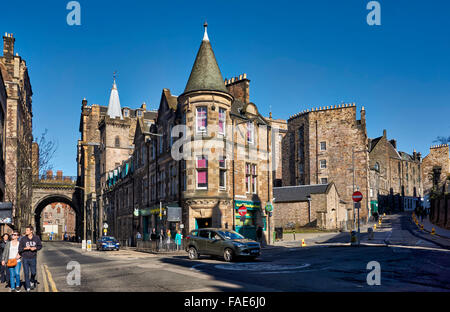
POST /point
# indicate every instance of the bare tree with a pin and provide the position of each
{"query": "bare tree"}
(47, 150)
(442, 140)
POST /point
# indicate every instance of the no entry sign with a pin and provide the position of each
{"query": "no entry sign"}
(357, 196)
(242, 211)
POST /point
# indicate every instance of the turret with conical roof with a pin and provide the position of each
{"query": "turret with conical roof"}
(205, 74)
(114, 109)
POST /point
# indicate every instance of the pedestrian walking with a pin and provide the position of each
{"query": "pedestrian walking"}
(168, 237)
(4, 272)
(178, 239)
(161, 239)
(154, 239)
(259, 234)
(11, 258)
(29, 246)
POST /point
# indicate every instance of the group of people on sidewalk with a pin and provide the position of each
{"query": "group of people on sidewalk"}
(164, 240)
(18, 252)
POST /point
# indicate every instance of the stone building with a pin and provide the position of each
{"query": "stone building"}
(395, 176)
(324, 145)
(18, 135)
(437, 158)
(2, 135)
(107, 134)
(279, 127)
(59, 219)
(308, 205)
(207, 154)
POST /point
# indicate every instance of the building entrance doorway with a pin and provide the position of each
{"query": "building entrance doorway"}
(203, 223)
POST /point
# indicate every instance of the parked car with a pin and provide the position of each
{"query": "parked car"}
(220, 242)
(107, 243)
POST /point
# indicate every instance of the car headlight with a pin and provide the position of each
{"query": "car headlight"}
(238, 244)
(104, 244)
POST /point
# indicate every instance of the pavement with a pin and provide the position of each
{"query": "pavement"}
(428, 226)
(397, 229)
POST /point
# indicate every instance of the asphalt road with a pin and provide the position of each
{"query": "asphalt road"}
(412, 267)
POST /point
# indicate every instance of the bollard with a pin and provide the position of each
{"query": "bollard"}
(353, 238)
(374, 226)
(370, 232)
(433, 231)
(303, 243)
(421, 227)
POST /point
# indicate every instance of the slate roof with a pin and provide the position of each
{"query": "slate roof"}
(205, 74)
(237, 106)
(298, 193)
(373, 142)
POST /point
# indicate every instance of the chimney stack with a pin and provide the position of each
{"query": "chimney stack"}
(8, 45)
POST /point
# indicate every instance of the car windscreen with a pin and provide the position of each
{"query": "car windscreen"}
(109, 239)
(230, 235)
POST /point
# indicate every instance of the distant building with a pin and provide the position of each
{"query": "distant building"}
(107, 134)
(395, 177)
(18, 135)
(59, 219)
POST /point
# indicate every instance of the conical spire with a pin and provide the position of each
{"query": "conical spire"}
(114, 109)
(205, 74)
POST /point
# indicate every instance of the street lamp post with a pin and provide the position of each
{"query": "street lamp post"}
(354, 187)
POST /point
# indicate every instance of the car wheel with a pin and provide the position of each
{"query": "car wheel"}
(193, 254)
(228, 255)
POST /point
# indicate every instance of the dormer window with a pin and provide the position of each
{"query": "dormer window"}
(139, 113)
(126, 113)
(250, 132)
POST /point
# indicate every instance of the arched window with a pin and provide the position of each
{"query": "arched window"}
(117, 142)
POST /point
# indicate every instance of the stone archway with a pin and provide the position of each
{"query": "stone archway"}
(55, 198)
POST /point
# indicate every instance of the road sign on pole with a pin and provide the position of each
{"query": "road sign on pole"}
(242, 211)
(357, 196)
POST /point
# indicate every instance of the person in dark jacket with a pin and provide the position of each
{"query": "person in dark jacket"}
(4, 272)
(28, 248)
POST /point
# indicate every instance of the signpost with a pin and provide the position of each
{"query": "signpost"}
(357, 198)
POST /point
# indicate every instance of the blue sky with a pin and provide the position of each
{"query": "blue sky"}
(297, 54)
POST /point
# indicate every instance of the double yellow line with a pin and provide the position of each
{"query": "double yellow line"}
(46, 274)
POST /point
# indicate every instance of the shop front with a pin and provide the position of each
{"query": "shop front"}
(247, 225)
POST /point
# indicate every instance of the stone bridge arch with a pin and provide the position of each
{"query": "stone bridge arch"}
(45, 195)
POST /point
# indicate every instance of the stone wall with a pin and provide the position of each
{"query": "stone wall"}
(338, 128)
(438, 156)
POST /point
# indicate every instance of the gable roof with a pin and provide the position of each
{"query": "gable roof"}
(299, 192)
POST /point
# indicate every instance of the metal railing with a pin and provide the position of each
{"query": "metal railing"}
(160, 246)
